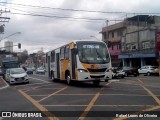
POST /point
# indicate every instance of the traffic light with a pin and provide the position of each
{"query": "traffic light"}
(19, 45)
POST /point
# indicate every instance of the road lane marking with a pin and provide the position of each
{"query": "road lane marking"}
(52, 94)
(100, 105)
(148, 109)
(5, 83)
(151, 109)
(90, 105)
(30, 84)
(114, 80)
(150, 93)
(140, 81)
(101, 94)
(130, 83)
(107, 84)
(39, 106)
(40, 80)
(39, 95)
(44, 86)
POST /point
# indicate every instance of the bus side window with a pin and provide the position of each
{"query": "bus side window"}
(66, 52)
(62, 53)
(46, 58)
(53, 56)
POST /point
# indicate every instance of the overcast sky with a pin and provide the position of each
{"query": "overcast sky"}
(60, 21)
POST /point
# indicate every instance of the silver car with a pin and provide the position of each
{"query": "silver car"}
(16, 75)
(148, 70)
(40, 70)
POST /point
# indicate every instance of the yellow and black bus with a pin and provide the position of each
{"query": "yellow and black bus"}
(80, 61)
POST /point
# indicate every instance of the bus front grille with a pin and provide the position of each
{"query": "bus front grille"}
(100, 76)
(96, 70)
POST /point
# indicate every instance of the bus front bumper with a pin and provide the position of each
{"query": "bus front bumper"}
(85, 76)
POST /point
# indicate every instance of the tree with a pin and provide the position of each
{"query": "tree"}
(22, 58)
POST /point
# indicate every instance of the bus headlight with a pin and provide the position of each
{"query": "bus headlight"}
(82, 70)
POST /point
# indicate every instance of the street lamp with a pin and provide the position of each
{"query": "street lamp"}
(95, 37)
(10, 35)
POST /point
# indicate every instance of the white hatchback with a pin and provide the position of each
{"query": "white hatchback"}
(148, 70)
(16, 75)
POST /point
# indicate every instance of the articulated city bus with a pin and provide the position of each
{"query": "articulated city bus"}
(80, 61)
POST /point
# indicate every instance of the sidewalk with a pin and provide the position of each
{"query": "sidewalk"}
(3, 83)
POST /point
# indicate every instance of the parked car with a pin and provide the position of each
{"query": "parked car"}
(40, 70)
(16, 75)
(29, 71)
(33, 68)
(130, 71)
(148, 70)
(117, 73)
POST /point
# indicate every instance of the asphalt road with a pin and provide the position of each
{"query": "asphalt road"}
(128, 98)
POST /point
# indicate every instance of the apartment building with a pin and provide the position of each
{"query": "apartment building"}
(134, 41)
(113, 34)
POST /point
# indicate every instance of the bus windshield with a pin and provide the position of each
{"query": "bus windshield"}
(7, 65)
(93, 52)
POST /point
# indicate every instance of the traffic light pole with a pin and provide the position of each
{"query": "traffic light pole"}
(19, 46)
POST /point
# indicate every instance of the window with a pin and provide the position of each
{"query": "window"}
(93, 53)
(146, 45)
(112, 47)
(104, 35)
(127, 47)
(62, 53)
(112, 34)
(133, 47)
(66, 52)
(53, 56)
(119, 33)
(118, 46)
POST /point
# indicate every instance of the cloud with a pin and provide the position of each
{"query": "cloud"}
(50, 32)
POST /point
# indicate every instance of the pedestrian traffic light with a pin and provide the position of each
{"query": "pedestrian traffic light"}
(19, 45)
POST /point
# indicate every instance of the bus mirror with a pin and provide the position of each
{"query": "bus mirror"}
(108, 43)
(76, 51)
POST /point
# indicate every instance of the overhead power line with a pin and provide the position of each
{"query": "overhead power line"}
(63, 8)
(64, 17)
(79, 10)
(59, 17)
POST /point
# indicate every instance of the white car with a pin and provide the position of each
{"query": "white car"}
(40, 70)
(148, 70)
(16, 75)
(118, 73)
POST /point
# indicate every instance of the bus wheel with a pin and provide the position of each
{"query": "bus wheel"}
(96, 82)
(68, 78)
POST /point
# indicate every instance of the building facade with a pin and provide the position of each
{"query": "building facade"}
(8, 46)
(139, 48)
(113, 34)
(137, 41)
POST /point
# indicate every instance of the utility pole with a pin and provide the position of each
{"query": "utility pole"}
(3, 18)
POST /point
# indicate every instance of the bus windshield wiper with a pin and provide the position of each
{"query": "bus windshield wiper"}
(99, 55)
